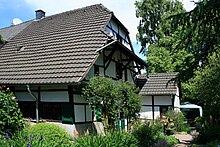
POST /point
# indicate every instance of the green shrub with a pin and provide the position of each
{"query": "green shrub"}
(40, 135)
(179, 121)
(114, 139)
(146, 133)
(171, 140)
(209, 133)
(11, 118)
(52, 134)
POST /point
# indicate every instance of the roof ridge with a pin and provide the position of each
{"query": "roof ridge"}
(78, 9)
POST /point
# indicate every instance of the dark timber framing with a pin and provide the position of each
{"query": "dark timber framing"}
(153, 107)
(71, 101)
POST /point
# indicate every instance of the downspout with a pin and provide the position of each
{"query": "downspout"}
(36, 100)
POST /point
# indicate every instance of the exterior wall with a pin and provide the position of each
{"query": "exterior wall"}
(152, 105)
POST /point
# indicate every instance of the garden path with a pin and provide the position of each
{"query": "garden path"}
(185, 140)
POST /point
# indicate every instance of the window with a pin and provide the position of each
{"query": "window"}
(163, 111)
(28, 109)
(83, 113)
(51, 111)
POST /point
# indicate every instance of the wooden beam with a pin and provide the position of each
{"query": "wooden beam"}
(153, 106)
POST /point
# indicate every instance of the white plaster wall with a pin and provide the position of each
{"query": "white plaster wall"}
(162, 100)
(90, 73)
(156, 112)
(177, 100)
(146, 100)
(111, 70)
(54, 96)
(79, 113)
(25, 96)
(146, 112)
(79, 99)
(130, 79)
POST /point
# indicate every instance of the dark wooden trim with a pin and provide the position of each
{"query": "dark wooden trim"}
(153, 106)
(81, 103)
(156, 105)
(42, 90)
(71, 101)
(39, 101)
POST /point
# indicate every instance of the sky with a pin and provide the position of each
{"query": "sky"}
(124, 10)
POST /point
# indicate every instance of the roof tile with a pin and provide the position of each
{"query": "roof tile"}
(157, 84)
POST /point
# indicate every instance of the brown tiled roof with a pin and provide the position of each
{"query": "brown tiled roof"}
(157, 84)
(56, 49)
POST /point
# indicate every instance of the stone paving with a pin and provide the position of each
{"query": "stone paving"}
(185, 140)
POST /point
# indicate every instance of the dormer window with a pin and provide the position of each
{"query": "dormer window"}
(20, 48)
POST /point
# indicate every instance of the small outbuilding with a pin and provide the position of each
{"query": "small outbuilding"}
(159, 92)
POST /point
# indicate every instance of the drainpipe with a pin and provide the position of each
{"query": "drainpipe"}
(32, 95)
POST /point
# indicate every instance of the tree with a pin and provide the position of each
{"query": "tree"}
(11, 118)
(200, 33)
(154, 24)
(1, 40)
(114, 96)
(158, 39)
(205, 86)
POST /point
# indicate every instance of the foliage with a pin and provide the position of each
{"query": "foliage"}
(11, 118)
(117, 139)
(179, 121)
(39, 135)
(114, 96)
(158, 40)
(209, 133)
(53, 134)
(154, 24)
(170, 139)
(146, 133)
(200, 32)
(1, 40)
(205, 87)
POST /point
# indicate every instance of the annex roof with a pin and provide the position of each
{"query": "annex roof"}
(157, 84)
(56, 49)
(9, 32)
